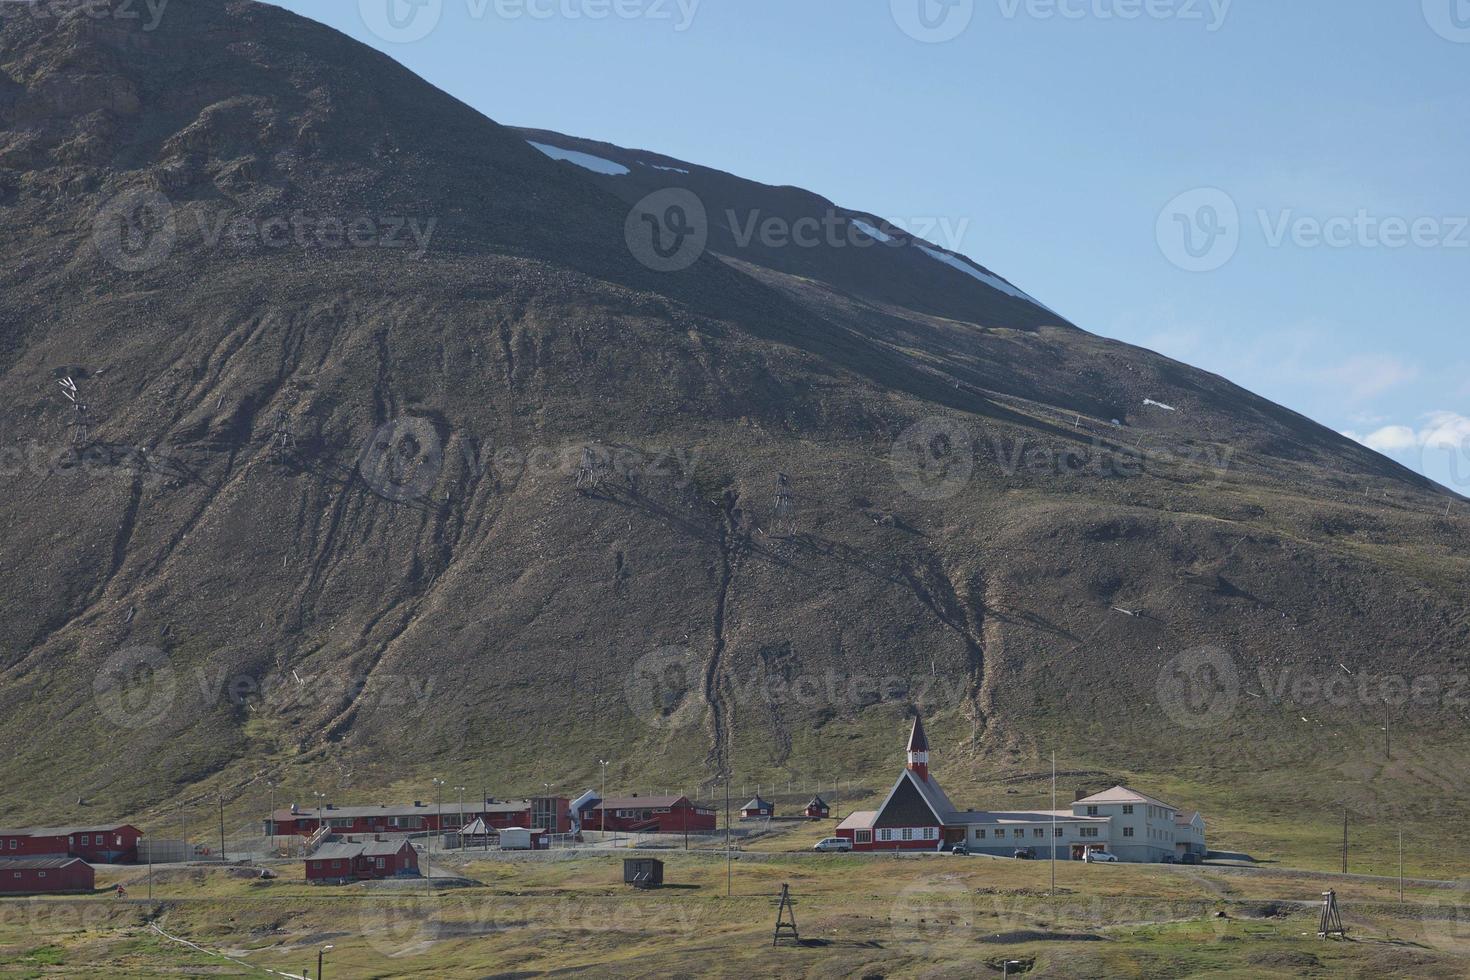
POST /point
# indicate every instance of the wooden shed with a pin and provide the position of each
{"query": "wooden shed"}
(643, 872)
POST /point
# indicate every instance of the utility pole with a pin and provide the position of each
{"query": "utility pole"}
(150, 872)
(271, 817)
(1053, 823)
(729, 863)
(439, 796)
(1387, 737)
(602, 820)
(1401, 867)
(222, 858)
(1344, 841)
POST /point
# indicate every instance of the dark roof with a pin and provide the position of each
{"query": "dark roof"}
(38, 863)
(906, 807)
(64, 831)
(918, 741)
(638, 802)
(757, 804)
(353, 849)
(399, 810)
(817, 801)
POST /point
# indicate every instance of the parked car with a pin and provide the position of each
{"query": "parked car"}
(1025, 853)
(959, 849)
(1189, 859)
(1100, 857)
(833, 844)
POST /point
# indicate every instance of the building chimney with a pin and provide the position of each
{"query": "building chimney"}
(1079, 796)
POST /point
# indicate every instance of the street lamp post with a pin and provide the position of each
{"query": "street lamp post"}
(602, 821)
(319, 955)
(439, 791)
(460, 789)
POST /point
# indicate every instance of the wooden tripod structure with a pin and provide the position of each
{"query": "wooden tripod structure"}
(785, 910)
(1331, 925)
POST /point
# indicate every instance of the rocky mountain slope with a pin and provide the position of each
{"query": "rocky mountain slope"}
(411, 449)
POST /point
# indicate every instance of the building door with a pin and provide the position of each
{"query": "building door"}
(954, 835)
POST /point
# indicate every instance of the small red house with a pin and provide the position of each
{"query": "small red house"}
(46, 876)
(650, 815)
(361, 861)
(105, 844)
(818, 809)
(757, 809)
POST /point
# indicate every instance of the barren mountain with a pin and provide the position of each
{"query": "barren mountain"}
(407, 449)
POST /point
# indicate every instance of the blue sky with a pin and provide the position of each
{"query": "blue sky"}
(1275, 191)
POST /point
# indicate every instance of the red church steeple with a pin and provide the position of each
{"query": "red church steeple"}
(918, 751)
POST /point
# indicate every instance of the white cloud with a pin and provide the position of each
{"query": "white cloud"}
(1449, 431)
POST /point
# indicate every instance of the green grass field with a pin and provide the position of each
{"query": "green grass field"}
(930, 915)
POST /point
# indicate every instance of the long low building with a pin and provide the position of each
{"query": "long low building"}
(46, 876)
(552, 813)
(917, 815)
(649, 815)
(99, 844)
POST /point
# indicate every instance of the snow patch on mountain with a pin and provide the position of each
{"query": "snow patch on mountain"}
(1167, 408)
(584, 160)
(994, 282)
(671, 170)
(870, 231)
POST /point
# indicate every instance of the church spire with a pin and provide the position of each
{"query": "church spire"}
(918, 751)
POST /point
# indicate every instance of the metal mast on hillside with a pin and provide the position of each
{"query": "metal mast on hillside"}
(81, 423)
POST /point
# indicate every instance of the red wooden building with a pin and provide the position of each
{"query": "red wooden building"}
(650, 815)
(758, 809)
(46, 876)
(105, 844)
(818, 809)
(550, 812)
(361, 861)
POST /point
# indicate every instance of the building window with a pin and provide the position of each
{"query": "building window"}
(908, 833)
(864, 836)
(1038, 832)
(1128, 808)
(40, 874)
(1018, 832)
(1089, 831)
(979, 833)
(380, 864)
(1057, 832)
(1127, 831)
(1092, 811)
(84, 840)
